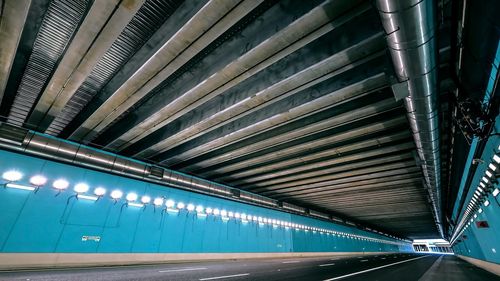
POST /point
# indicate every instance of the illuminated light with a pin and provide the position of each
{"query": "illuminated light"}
(488, 173)
(480, 210)
(158, 201)
(260, 219)
(38, 180)
(216, 212)
(199, 209)
(145, 199)
(116, 194)
(496, 158)
(230, 214)
(237, 215)
(480, 189)
(484, 179)
(492, 167)
(264, 220)
(495, 192)
(81, 188)
(87, 197)
(131, 196)
(223, 213)
(475, 215)
(486, 203)
(133, 204)
(190, 207)
(180, 205)
(209, 211)
(482, 184)
(273, 221)
(100, 191)
(20, 186)
(254, 218)
(12, 175)
(60, 184)
(170, 203)
(243, 216)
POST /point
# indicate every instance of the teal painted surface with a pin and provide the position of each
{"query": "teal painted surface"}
(42, 222)
(484, 243)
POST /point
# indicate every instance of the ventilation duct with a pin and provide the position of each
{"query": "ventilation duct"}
(411, 27)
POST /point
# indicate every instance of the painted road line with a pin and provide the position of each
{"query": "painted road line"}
(383, 258)
(327, 264)
(372, 269)
(223, 277)
(182, 269)
(363, 260)
(291, 262)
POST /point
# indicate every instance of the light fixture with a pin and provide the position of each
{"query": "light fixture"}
(87, 197)
(158, 201)
(170, 203)
(180, 205)
(134, 204)
(38, 180)
(209, 211)
(199, 209)
(495, 192)
(20, 186)
(223, 213)
(145, 199)
(131, 196)
(230, 214)
(81, 188)
(216, 212)
(488, 173)
(100, 191)
(480, 210)
(12, 175)
(237, 215)
(475, 215)
(60, 184)
(492, 167)
(496, 158)
(482, 184)
(190, 207)
(486, 203)
(116, 194)
(484, 179)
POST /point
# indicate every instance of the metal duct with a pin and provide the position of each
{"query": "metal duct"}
(410, 27)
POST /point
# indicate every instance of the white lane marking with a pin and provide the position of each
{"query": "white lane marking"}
(363, 260)
(226, 276)
(327, 264)
(383, 258)
(182, 269)
(430, 274)
(334, 259)
(372, 269)
(291, 262)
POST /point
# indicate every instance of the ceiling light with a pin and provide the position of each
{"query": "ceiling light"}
(484, 179)
(237, 215)
(20, 186)
(145, 199)
(482, 184)
(486, 203)
(60, 184)
(492, 167)
(158, 201)
(495, 192)
(199, 209)
(190, 207)
(100, 191)
(116, 194)
(12, 175)
(488, 173)
(480, 210)
(131, 196)
(496, 158)
(170, 203)
(209, 211)
(230, 214)
(81, 188)
(38, 180)
(87, 197)
(223, 213)
(180, 205)
(216, 212)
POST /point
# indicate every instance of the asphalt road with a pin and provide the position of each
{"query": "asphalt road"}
(405, 267)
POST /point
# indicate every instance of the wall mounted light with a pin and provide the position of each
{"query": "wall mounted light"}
(12, 175)
(158, 201)
(81, 188)
(100, 191)
(145, 199)
(38, 180)
(116, 194)
(60, 184)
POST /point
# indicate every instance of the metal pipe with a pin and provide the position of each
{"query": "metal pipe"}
(410, 28)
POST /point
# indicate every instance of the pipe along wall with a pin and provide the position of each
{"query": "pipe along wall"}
(46, 224)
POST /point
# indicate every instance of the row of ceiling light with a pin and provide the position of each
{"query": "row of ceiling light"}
(132, 199)
(480, 196)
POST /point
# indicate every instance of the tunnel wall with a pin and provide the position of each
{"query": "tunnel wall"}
(483, 243)
(46, 221)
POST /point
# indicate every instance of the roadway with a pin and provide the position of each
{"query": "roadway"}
(376, 267)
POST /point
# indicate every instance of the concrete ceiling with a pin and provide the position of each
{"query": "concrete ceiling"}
(288, 99)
